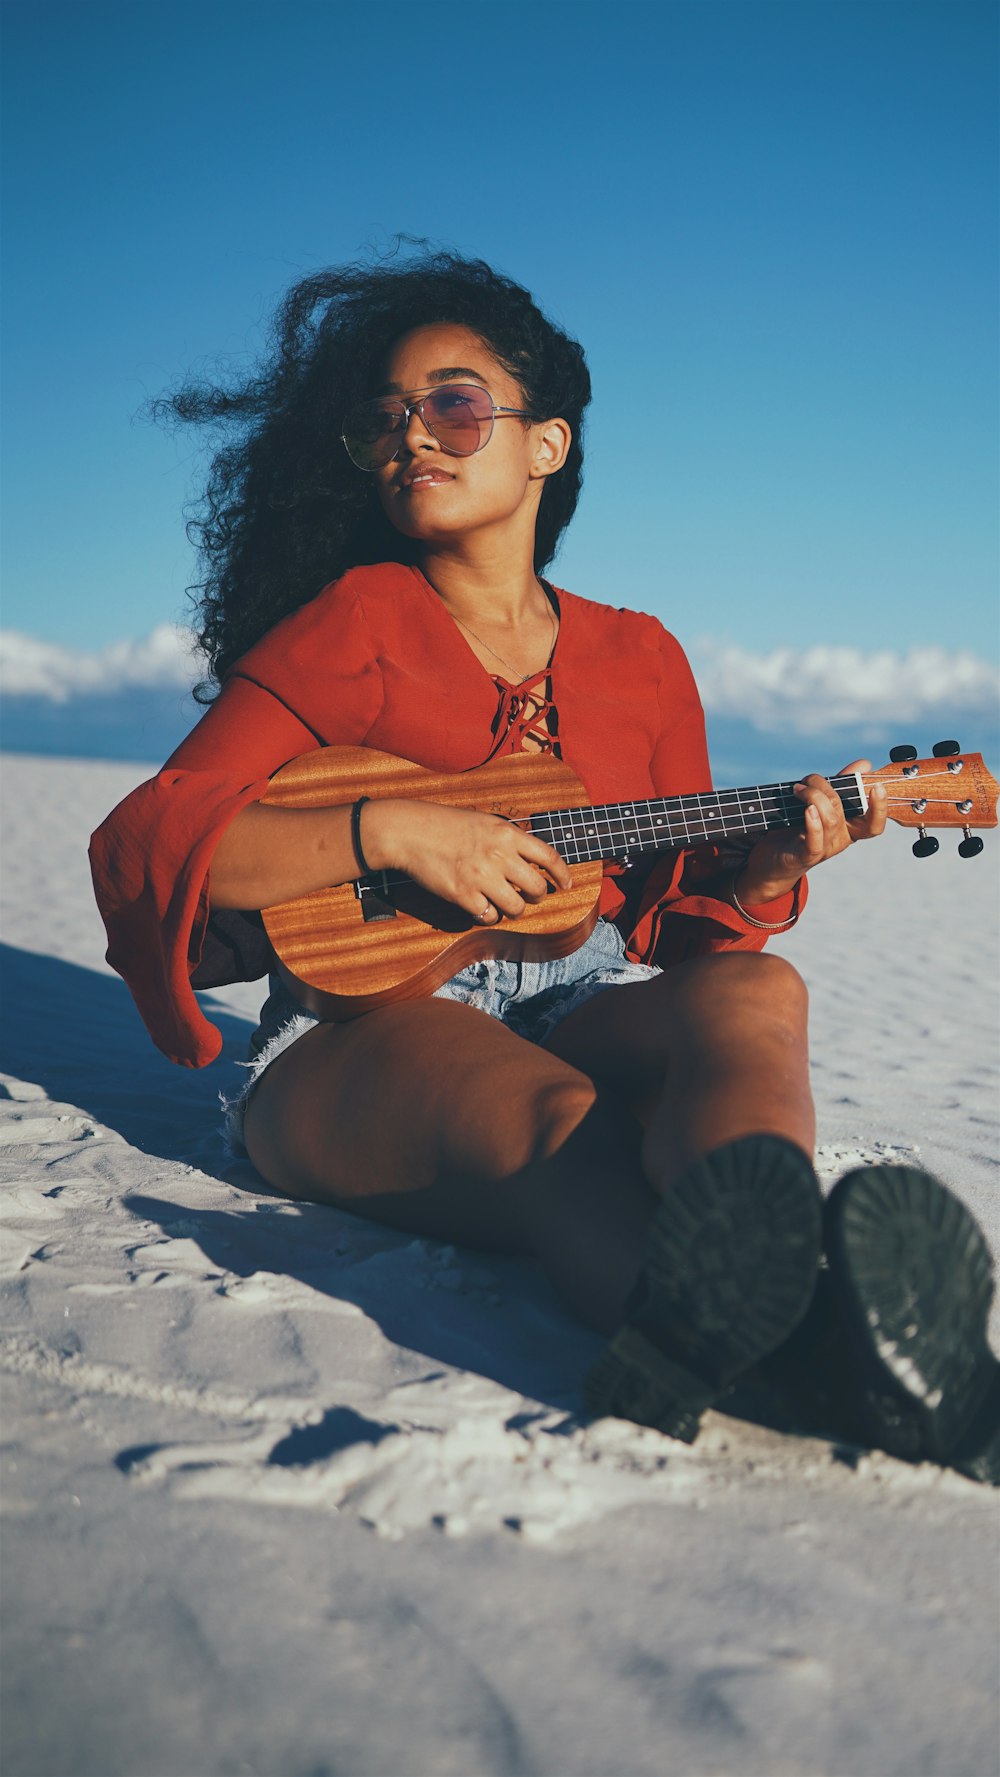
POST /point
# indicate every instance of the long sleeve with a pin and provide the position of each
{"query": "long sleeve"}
(314, 680)
(151, 858)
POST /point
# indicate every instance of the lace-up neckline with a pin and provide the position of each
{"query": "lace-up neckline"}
(526, 720)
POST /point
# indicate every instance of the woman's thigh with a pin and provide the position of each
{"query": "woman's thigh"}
(626, 1039)
(402, 1114)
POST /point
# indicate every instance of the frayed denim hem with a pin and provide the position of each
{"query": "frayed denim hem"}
(234, 1109)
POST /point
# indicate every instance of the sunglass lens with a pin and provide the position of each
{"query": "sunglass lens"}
(460, 417)
(372, 431)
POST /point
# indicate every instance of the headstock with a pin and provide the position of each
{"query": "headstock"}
(951, 789)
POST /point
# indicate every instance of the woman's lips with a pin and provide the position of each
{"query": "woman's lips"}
(425, 478)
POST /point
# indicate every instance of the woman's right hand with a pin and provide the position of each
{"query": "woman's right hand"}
(484, 864)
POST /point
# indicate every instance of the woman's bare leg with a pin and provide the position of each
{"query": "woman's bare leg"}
(710, 1051)
(436, 1119)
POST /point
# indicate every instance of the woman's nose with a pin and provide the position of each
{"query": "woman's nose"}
(418, 435)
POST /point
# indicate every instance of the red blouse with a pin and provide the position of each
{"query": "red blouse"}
(376, 660)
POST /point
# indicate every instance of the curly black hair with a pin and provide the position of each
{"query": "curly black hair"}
(284, 511)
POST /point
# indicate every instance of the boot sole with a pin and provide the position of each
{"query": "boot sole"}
(731, 1264)
(914, 1282)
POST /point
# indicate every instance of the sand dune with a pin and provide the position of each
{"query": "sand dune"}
(287, 1493)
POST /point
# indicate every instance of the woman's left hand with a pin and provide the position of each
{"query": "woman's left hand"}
(783, 855)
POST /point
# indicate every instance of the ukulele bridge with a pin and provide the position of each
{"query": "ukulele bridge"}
(371, 892)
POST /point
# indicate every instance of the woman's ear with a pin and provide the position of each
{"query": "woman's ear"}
(552, 441)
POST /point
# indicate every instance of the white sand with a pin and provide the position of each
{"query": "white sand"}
(286, 1494)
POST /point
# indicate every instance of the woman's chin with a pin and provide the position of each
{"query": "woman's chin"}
(420, 528)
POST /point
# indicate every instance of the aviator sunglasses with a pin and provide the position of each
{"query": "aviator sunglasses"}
(459, 415)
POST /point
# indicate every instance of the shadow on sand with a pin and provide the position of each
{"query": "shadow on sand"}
(76, 1033)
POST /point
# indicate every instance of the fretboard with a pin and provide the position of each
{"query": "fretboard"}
(619, 829)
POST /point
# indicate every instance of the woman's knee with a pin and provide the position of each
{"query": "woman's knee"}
(774, 981)
(521, 1128)
(743, 987)
(561, 1105)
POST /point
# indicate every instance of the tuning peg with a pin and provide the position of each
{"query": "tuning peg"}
(926, 845)
(944, 749)
(971, 845)
(898, 754)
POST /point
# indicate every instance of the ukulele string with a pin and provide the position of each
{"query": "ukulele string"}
(585, 834)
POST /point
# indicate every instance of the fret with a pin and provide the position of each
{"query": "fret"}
(583, 835)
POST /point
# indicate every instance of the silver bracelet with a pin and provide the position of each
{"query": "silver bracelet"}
(762, 925)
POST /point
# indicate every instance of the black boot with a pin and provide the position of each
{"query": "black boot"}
(912, 1280)
(730, 1268)
(918, 1380)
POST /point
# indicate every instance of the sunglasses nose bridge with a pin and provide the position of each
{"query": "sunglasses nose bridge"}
(416, 432)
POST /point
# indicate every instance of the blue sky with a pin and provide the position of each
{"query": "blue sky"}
(773, 224)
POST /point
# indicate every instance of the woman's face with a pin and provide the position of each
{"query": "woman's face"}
(437, 498)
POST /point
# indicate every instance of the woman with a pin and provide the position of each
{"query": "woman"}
(636, 1116)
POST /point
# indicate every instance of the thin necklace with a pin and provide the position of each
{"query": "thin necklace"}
(519, 680)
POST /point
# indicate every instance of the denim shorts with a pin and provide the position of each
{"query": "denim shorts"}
(529, 998)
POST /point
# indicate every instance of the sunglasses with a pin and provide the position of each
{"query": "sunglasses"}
(459, 415)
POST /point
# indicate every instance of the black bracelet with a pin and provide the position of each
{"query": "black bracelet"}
(366, 869)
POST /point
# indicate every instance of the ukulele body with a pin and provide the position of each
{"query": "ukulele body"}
(347, 950)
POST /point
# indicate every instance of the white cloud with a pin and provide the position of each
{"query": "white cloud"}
(817, 689)
(811, 691)
(29, 667)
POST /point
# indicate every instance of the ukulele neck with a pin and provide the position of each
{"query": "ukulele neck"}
(621, 829)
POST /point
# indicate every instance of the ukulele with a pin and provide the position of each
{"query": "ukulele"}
(347, 950)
